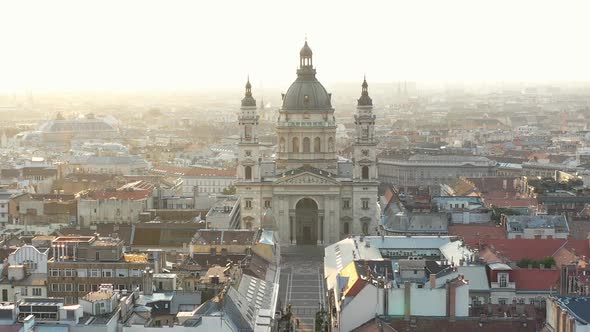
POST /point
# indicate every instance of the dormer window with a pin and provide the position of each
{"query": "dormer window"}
(503, 280)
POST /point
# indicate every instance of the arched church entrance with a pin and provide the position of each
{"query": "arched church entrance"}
(306, 221)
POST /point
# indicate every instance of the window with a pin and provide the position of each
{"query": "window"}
(502, 301)
(248, 203)
(95, 273)
(24, 291)
(69, 272)
(346, 203)
(317, 144)
(69, 288)
(521, 300)
(295, 144)
(306, 144)
(366, 228)
(122, 273)
(346, 228)
(94, 288)
(503, 279)
(81, 287)
(98, 255)
(54, 287)
(30, 265)
(267, 203)
(81, 273)
(365, 203)
(54, 272)
(107, 273)
(365, 172)
(248, 173)
(36, 291)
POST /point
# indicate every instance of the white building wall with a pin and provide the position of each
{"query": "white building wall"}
(365, 305)
(111, 210)
(428, 301)
(462, 301)
(29, 253)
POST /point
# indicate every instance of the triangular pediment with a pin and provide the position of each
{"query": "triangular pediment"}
(306, 178)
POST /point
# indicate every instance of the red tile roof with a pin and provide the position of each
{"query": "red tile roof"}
(472, 234)
(535, 279)
(517, 249)
(579, 247)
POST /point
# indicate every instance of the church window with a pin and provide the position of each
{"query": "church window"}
(365, 228)
(365, 203)
(346, 203)
(331, 144)
(306, 144)
(365, 171)
(248, 132)
(317, 144)
(295, 144)
(248, 172)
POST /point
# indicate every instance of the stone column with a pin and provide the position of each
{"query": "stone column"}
(291, 233)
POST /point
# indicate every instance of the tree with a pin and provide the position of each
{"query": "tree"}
(231, 190)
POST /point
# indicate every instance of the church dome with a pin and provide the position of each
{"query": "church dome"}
(306, 93)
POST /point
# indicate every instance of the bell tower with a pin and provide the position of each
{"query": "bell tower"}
(249, 148)
(364, 147)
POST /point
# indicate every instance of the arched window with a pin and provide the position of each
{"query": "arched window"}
(365, 228)
(331, 144)
(317, 145)
(248, 172)
(346, 228)
(306, 144)
(295, 144)
(282, 144)
(365, 172)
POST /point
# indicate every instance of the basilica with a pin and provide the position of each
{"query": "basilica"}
(308, 194)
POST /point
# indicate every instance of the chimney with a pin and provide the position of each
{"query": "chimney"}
(452, 301)
(407, 301)
(148, 282)
(432, 280)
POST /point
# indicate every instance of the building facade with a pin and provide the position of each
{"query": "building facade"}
(80, 264)
(312, 200)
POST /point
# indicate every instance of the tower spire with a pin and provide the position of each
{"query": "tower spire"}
(248, 100)
(365, 100)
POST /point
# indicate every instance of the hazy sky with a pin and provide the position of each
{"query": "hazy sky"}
(137, 45)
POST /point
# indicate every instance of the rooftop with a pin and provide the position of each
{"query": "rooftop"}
(579, 307)
(519, 223)
(98, 296)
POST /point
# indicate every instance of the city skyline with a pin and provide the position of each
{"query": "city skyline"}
(117, 47)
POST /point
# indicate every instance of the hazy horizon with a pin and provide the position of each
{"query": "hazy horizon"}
(187, 45)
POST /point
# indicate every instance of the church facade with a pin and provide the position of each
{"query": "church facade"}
(306, 193)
